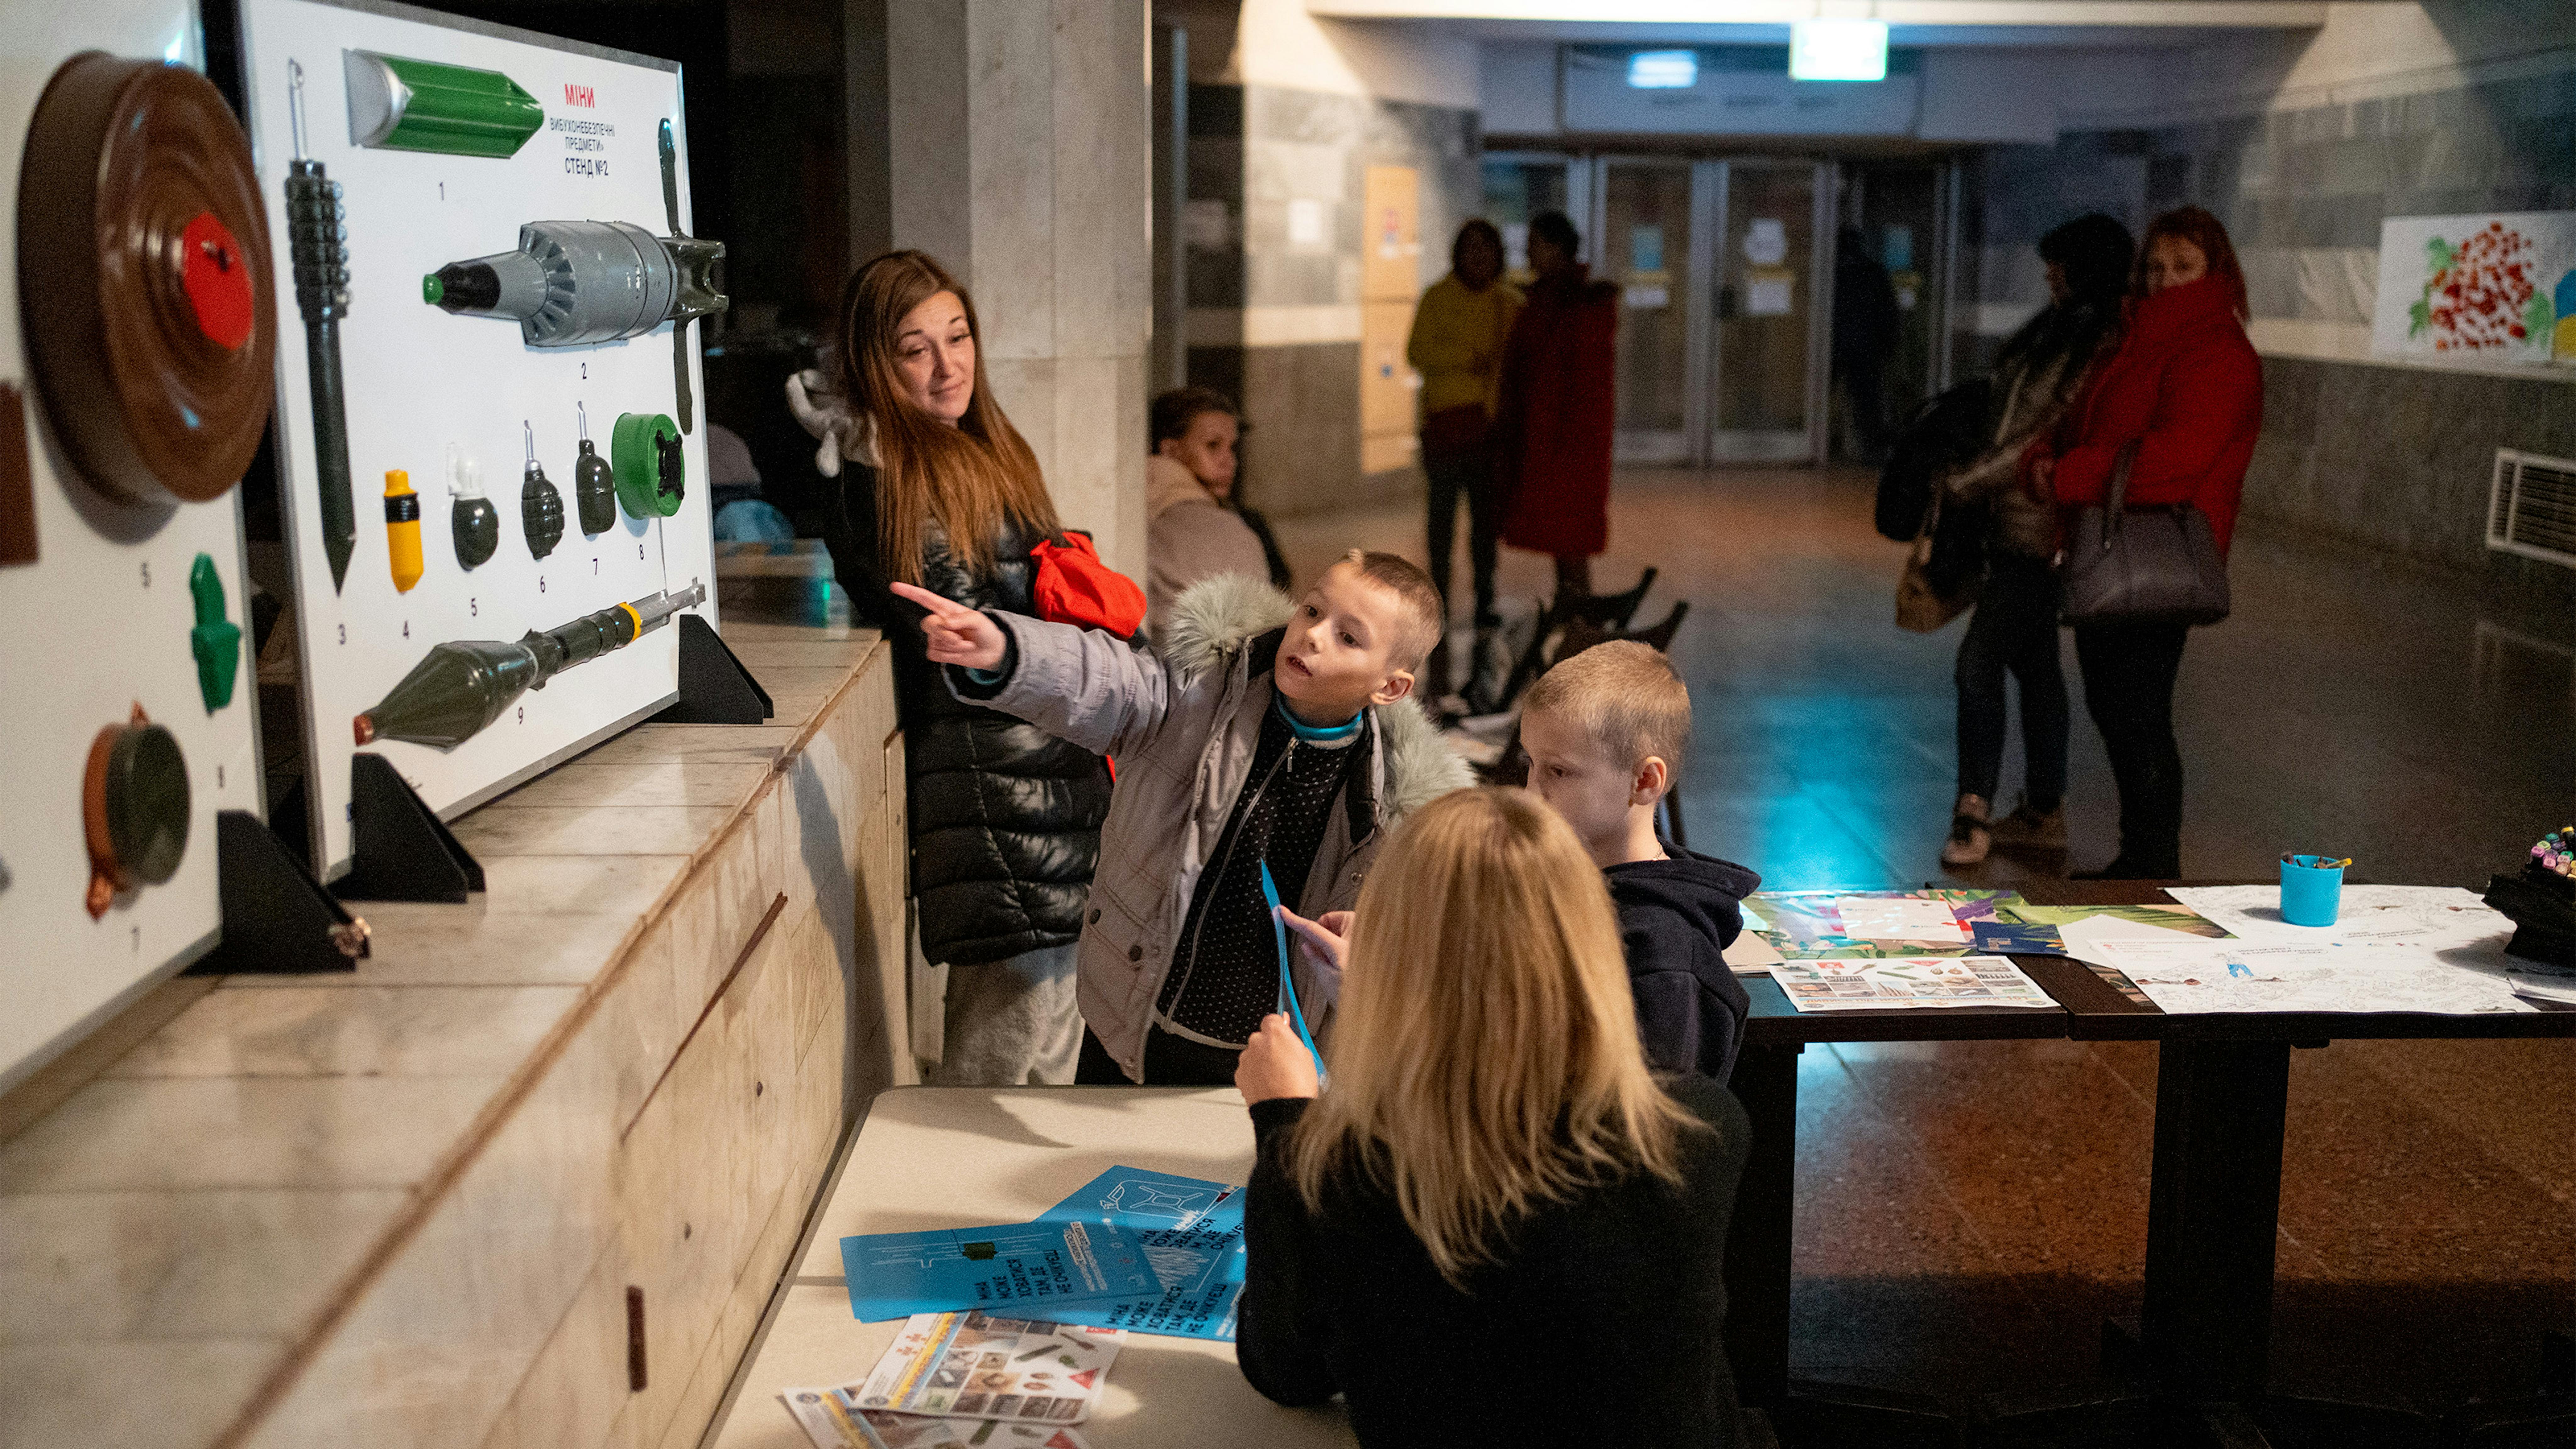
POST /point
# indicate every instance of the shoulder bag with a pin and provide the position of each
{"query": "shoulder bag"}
(2153, 564)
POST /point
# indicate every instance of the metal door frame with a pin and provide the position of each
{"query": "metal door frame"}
(1820, 292)
(1681, 446)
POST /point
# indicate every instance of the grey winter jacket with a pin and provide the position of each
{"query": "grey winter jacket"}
(1182, 722)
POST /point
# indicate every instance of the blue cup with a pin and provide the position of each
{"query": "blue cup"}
(2311, 889)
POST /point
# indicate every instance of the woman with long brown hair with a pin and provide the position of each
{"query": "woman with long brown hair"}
(1495, 1195)
(2183, 399)
(941, 491)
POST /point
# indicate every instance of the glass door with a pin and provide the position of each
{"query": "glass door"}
(1773, 297)
(1644, 245)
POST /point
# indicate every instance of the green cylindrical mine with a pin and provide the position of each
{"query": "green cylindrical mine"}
(651, 463)
(399, 104)
(451, 695)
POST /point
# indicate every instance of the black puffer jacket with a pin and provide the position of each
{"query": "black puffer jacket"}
(1005, 817)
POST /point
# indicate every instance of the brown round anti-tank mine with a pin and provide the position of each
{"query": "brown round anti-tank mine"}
(141, 242)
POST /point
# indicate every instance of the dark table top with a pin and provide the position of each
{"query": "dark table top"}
(2091, 1009)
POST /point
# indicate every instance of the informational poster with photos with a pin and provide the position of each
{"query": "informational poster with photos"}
(974, 1366)
(1882, 983)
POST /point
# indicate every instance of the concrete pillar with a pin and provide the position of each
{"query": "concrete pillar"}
(1009, 139)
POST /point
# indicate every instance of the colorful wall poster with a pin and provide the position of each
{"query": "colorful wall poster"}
(2497, 287)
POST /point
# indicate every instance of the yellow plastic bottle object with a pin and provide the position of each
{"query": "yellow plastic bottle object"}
(402, 529)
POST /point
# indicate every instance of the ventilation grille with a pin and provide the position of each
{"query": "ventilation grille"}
(2532, 508)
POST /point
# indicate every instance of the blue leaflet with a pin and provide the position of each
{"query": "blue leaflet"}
(1192, 1231)
(1287, 988)
(1024, 1269)
(2001, 938)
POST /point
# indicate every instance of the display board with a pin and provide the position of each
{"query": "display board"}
(133, 379)
(509, 273)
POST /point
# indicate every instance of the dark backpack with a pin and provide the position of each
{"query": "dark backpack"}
(1945, 433)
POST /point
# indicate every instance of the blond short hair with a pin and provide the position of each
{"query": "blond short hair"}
(1485, 1058)
(1420, 619)
(1625, 697)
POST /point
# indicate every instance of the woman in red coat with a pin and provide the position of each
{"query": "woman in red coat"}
(1552, 425)
(2187, 388)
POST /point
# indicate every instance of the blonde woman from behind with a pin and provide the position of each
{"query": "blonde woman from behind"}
(1498, 1226)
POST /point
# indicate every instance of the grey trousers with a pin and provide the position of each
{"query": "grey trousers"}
(1011, 1023)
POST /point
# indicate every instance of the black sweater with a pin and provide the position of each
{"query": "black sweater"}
(1605, 1325)
(1676, 919)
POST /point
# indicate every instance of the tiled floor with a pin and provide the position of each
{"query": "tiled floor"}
(1969, 1212)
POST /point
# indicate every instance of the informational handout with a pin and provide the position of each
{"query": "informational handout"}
(840, 1417)
(1823, 925)
(974, 1366)
(1025, 1266)
(2006, 938)
(2320, 976)
(2431, 917)
(1882, 983)
(1192, 1232)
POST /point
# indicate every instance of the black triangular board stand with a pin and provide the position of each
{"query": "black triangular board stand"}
(277, 918)
(401, 850)
(714, 687)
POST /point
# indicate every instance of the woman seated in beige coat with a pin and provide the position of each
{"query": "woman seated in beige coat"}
(1195, 530)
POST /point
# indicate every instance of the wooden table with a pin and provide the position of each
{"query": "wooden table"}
(954, 1157)
(2214, 1199)
(2213, 1202)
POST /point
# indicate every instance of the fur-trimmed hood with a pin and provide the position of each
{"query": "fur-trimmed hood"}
(1215, 620)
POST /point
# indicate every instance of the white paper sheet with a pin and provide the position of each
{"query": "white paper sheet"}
(1899, 918)
(2431, 917)
(1751, 955)
(2321, 976)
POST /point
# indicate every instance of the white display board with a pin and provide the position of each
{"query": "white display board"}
(98, 624)
(421, 381)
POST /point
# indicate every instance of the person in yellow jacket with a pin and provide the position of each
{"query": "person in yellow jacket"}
(1457, 346)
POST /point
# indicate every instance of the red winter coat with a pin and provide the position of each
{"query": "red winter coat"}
(1552, 428)
(2188, 388)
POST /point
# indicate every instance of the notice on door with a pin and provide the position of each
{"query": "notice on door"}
(1770, 292)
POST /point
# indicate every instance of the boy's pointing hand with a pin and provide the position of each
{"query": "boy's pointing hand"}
(956, 634)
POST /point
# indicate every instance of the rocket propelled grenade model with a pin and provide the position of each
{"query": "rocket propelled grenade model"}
(574, 283)
(459, 688)
(316, 229)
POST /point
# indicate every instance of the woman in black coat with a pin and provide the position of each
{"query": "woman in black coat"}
(941, 491)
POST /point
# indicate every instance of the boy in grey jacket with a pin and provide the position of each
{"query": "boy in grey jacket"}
(1258, 732)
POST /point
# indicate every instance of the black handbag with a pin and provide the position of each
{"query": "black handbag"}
(2156, 564)
(1945, 433)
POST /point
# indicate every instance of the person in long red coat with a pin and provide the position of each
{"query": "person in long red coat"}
(2187, 387)
(1552, 425)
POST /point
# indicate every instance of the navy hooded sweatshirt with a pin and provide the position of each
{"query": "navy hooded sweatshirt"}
(1676, 919)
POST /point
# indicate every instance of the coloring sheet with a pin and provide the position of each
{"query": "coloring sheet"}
(1881, 983)
(2271, 975)
(1019, 1265)
(2431, 917)
(1192, 1232)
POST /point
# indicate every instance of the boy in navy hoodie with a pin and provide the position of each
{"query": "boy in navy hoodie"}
(1606, 731)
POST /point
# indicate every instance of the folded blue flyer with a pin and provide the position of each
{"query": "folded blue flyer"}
(2002, 938)
(1029, 1270)
(1192, 1231)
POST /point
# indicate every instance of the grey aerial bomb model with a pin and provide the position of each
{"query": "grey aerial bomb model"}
(574, 283)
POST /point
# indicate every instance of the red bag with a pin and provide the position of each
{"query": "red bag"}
(1074, 587)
